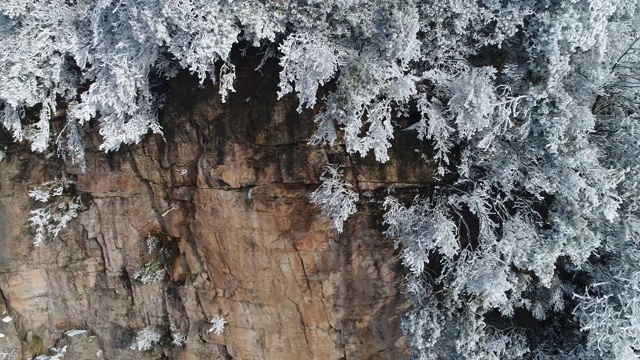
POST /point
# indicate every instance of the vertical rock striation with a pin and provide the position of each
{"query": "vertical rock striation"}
(225, 193)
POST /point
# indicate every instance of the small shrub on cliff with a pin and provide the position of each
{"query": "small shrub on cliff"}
(335, 197)
(178, 338)
(217, 325)
(60, 209)
(155, 265)
(146, 339)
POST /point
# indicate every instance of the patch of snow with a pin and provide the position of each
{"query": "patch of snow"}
(75, 332)
(58, 354)
(173, 207)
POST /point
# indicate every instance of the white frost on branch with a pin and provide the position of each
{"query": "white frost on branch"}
(146, 339)
(308, 62)
(178, 338)
(335, 197)
(217, 325)
(48, 221)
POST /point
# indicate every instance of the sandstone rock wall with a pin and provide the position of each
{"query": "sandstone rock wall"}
(226, 192)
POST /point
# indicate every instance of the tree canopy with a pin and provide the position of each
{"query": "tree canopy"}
(531, 107)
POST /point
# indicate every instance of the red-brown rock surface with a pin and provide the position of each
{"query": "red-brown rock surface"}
(227, 189)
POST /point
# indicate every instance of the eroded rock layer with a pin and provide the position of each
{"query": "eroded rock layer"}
(225, 192)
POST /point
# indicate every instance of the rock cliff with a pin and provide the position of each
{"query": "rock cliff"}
(224, 194)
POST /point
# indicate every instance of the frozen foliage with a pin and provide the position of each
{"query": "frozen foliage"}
(155, 265)
(429, 228)
(531, 107)
(178, 338)
(146, 339)
(335, 197)
(544, 184)
(612, 316)
(308, 62)
(150, 271)
(217, 325)
(58, 210)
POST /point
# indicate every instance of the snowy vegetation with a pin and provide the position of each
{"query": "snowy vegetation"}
(217, 325)
(178, 338)
(532, 109)
(335, 197)
(59, 208)
(155, 265)
(146, 339)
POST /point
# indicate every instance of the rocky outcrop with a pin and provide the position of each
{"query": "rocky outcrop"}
(225, 194)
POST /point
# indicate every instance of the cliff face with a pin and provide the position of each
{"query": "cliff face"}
(226, 195)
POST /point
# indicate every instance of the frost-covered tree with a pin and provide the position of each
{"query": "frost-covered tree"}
(335, 197)
(532, 109)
